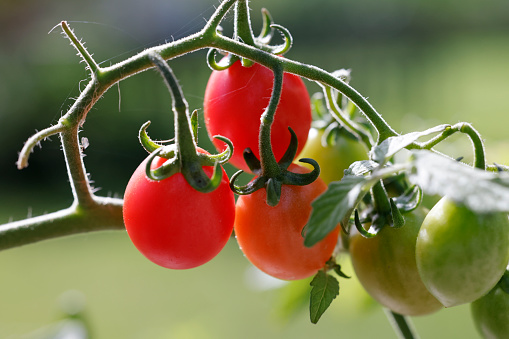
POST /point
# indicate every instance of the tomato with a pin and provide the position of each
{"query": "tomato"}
(491, 314)
(385, 266)
(460, 254)
(335, 159)
(271, 237)
(235, 99)
(172, 224)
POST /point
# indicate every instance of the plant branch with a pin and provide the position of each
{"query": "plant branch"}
(106, 214)
(463, 127)
(102, 79)
(35, 140)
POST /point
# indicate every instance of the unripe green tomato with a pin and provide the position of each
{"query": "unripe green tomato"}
(333, 160)
(491, 314)
(386, 267)
(460, 254)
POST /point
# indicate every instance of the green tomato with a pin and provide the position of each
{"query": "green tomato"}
(491, 314)
(460, 254)
(386, 267)
(333, 160)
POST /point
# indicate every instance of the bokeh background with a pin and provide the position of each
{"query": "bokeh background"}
(420, 63)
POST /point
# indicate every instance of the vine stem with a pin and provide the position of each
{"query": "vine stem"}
(269, 164)
(103, 78)
(463, 127)
(402, 325)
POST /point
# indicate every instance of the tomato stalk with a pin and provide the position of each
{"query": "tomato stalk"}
(185, 157)
(345, 120)
(273, 174)
(401, 324)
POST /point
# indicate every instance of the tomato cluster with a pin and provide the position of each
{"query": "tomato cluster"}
(177, 227)
(445, 256)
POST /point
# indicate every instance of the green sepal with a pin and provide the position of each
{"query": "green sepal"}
(410, 199)
(267, 32)
(273, 188)
(194, 124)
(166, 170)
(225, 63)
(221, 158)
(370, 233)
(252, 162)
(283, 48)
(150, 146)
(251, 187)
(302, 179)
(397, 218)
(290, 152)
(197, 178)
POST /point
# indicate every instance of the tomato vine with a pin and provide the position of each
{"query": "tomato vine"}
(365, 197)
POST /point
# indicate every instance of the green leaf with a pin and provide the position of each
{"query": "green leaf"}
(361, 167)
(479, 190)
(335, 204)
(390, 146)
(325, 288)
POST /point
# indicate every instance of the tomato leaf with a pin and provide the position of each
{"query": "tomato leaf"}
(479, 190)
(361, 167)
(325, 288)
(390, 146)
(333, 206)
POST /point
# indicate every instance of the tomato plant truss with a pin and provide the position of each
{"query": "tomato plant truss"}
(179, 208)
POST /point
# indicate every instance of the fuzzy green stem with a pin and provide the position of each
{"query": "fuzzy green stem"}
(463, 127)
(81, 49)
(270, 167)
(35, 140)
(104, 78)
(105, 214)
(350, 125)
(311, 73)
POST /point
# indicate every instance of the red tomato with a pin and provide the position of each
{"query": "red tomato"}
(172, 224)
(236, 98)
(271, 237)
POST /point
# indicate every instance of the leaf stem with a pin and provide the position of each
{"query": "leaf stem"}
(463, 127)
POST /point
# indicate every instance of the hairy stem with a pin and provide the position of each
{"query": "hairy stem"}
(103, 78)
(105, 214)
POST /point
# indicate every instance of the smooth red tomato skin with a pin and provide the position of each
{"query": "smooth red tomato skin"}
(386, 267)
(174, 225)
(491, 314)
(270, 237)
(235, 99)
(460, 254)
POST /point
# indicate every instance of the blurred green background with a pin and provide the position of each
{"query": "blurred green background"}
(420, 63)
